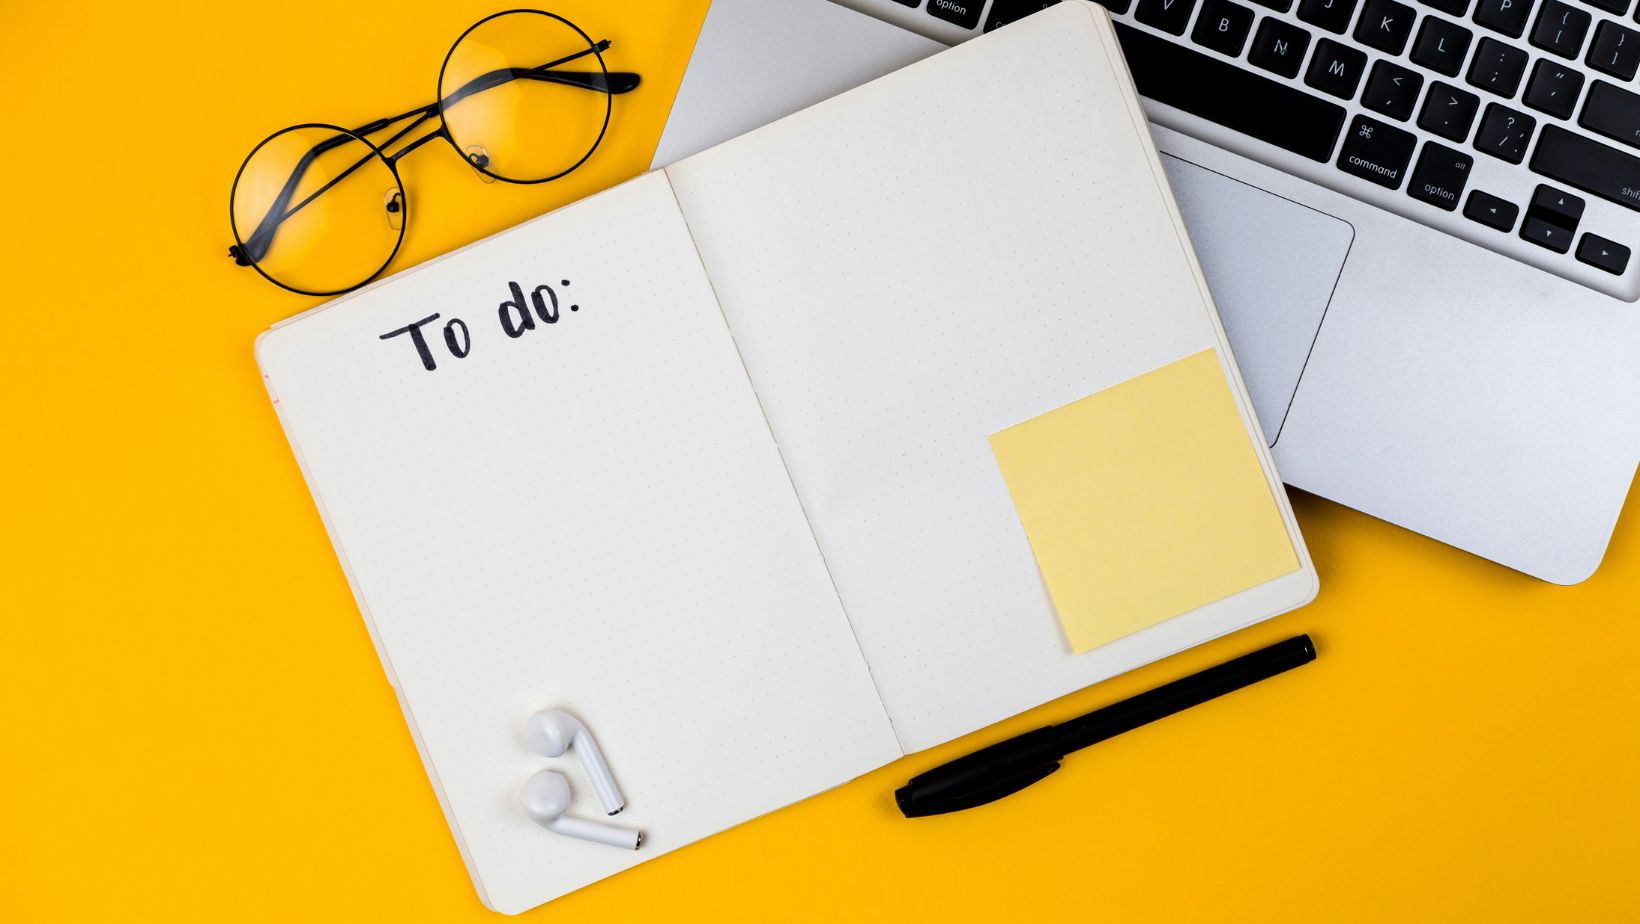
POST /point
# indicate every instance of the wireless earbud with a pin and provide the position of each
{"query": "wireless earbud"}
(546, 798)
(553, 731)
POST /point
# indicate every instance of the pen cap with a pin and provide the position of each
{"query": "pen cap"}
(982, 776)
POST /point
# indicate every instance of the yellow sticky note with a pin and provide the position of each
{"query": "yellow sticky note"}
(1144, 501)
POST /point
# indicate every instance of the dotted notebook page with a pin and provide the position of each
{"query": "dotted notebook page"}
(592, 515)
(965, 244)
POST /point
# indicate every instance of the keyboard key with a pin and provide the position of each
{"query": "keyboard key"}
(1561, 28)
(1615, 50)
(1376, 152)
(1497, 67)
(1392, 90)
(1611, 6)
(1506, 16)
(1336, 68)
(1228, 95)
(1551, 218)
(1279, 47)
(1448, 111)
(1603, 254)
(1166, 15)
(1332, 15)
(1546, 234)
(1223, 26)
(1441, 46)
(1490, 210)
(1004, 12)
(1505, 133)
(1385, 25)
(1553, 89)
(964, 13)
(1612, 112)
(1455, 7)
(1280, 6)
(1440, 176)
(1556, 206)
(1587, 165)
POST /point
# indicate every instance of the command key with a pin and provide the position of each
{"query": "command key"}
(1377, 152)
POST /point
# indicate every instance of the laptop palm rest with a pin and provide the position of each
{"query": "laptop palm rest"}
(1272, 265)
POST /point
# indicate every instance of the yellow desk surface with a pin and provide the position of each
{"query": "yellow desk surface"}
(193, 725)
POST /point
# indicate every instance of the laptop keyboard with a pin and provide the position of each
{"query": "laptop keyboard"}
(1411, 98)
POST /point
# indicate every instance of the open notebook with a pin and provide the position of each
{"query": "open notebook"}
(832, 443)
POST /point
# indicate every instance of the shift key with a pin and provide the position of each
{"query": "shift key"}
(1588, 165)
(1613, 112)
(1377, 152)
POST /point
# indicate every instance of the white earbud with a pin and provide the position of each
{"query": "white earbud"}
(553, 731)
(546, 798)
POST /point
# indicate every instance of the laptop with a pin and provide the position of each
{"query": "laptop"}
(1418, 222)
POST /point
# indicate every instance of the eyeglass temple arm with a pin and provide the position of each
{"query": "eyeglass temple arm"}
(256, 246)
(612, 83)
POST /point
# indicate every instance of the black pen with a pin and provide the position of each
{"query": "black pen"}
(1009, 766)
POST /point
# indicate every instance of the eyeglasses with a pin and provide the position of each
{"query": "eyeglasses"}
(319, 210)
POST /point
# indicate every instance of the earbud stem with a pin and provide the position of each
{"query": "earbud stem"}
(603, 782)
(596, 831)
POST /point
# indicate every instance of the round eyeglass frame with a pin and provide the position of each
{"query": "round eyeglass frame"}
(392, 166)
(443, 131)
(444, 124)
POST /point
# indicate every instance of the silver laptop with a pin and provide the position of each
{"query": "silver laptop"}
(1418, 223)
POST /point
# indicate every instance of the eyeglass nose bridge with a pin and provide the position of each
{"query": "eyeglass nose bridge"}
(479, 160)
(393, 207)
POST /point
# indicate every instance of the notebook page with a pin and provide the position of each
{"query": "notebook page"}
(591, 515)
(958, 247)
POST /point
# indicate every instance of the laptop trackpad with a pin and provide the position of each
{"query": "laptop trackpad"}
(1272, 265)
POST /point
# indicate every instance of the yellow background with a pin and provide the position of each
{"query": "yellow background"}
(194, 725)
